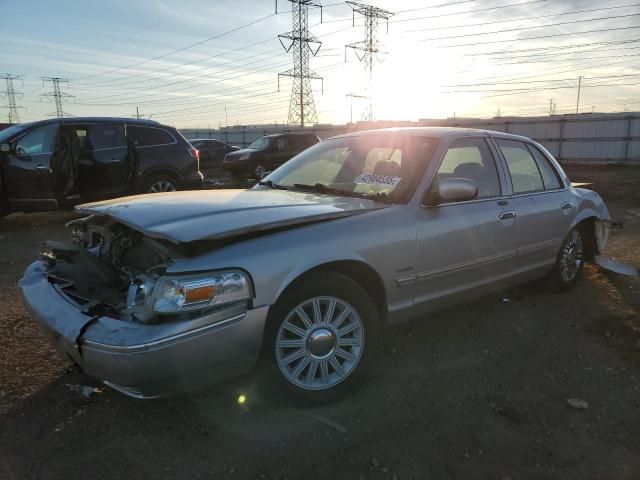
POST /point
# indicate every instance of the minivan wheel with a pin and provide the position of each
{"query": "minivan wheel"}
(322, 336)
(159, 184)
(259, 171)
(569, 261)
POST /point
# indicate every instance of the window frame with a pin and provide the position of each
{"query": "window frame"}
(497, 160)
(561, 185)
(133, 125)
(508, 172)
(14, 142)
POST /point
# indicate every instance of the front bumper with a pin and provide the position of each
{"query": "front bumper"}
(146, 361)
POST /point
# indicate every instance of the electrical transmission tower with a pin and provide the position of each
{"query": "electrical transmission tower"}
(11, 95)
(302, 43)
(57, 95)
(367, 50)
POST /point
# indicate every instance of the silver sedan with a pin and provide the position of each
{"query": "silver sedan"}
(168, 292)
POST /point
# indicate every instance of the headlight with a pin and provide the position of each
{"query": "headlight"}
(181, 294)
(244, 156)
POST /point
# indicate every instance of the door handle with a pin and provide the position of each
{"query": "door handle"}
(508, 214)
(43, 168)
(566, 205)
(114, 160)
(502, 203)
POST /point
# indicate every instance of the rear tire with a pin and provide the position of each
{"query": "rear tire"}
(569, 261)
(160, 183)
(320, 337)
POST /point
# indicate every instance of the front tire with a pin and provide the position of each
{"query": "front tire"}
(321, 337)
(569, 261)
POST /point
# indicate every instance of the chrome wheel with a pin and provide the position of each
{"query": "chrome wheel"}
(571, 256)
(162, 186)
(320, 343)
(259, 171)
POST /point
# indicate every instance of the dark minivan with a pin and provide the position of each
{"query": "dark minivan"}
(60, 162)
(267, 153)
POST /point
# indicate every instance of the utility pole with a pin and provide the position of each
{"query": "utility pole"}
(578, 99)
(11, 95)
(226, 118)
(550, 106)
(369, 47)
(57, 95)
(301, 42)
(137, 113)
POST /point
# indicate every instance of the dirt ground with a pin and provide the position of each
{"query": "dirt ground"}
(479, 391)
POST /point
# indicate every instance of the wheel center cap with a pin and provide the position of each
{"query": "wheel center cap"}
(321, 343)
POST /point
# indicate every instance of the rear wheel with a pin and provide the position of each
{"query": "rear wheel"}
(322, 336)
(159, 184)
(569, 261)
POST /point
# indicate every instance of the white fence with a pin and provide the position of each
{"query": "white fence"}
(584, 138)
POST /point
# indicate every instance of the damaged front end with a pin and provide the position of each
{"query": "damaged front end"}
(109, 304)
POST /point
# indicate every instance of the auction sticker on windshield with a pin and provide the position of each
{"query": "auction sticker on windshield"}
(378, 180)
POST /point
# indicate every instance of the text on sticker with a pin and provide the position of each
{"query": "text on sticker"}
(378, 180)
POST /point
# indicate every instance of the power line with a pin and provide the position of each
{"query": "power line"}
(519, 29)
(11, 95)
(214, 37)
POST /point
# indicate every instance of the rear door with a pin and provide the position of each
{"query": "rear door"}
(104, 165)
(29, 178)
(543, 204)
(465, 247)
(280, 152)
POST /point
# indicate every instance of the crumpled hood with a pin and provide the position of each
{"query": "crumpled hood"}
(217, 214)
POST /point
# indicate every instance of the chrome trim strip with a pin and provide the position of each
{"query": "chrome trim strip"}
(420, 277)
(404, 282)
(162, 341)
(533, 247)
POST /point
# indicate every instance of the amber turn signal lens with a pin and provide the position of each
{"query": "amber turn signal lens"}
(198, 294)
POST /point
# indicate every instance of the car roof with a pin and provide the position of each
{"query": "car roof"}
(205, 140)
(432, 132)
(130, 121)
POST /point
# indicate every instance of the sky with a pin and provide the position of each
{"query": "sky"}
(212, 63)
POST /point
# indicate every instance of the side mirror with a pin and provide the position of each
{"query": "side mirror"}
(453, 190)
(5, 147)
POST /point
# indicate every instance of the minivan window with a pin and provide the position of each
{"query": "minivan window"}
(39, 140)
(148, 136)
(105, 136)
(525, 176)
(549, 174)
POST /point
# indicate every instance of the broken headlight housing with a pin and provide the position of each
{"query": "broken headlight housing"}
(178, 294)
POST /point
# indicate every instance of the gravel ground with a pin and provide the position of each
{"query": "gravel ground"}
(479, 391)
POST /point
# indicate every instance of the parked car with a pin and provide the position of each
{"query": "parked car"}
(267, 153)
(161, 293)
(53, 163)
(212, 152)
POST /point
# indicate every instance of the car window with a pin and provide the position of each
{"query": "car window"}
(525, 176)
(148, 136)
(261, 143)
(281, 143)
(549, 174)
(39, 140)
(471, 158)
(105, 136)
(367, 165)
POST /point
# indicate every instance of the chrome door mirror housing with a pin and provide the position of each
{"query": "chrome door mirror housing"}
(452, 190)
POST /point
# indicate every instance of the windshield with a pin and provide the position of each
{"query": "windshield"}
(381, 165)
(260, 144)
(8, 133)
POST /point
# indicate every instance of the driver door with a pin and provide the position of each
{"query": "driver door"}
(465, 247)
(29, 179)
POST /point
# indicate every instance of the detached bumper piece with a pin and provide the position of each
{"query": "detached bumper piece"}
(146, 360)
